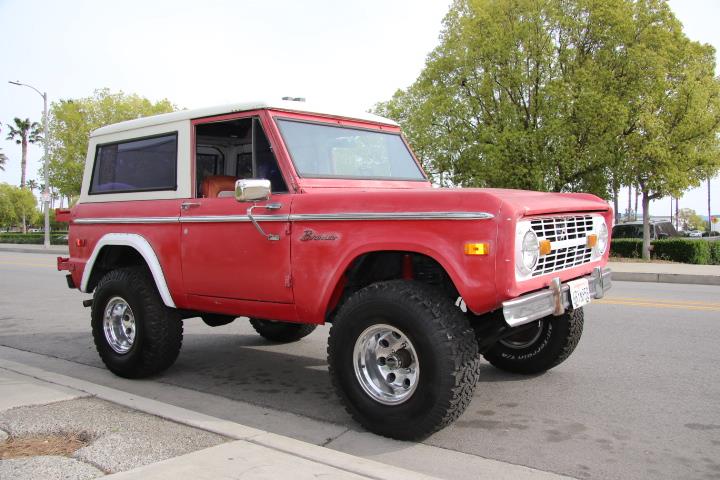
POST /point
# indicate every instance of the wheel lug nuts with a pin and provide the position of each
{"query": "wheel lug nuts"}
(381, 361)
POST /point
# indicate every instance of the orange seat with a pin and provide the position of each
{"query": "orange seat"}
(214, 184)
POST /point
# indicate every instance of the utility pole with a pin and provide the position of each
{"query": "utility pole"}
(46, 159)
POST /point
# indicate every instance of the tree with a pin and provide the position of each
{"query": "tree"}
(7, 211)
(690, 220)
(676, 114)
(554, 95)
(522, 94)
(24, 132)
(72, 121)
(3, 158)
(32, 184)
(15, 204)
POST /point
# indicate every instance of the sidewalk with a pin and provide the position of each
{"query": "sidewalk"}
(131, 438)
(665, 273)
(28, 248)
(139, 438)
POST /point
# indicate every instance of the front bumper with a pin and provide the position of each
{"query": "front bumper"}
(553, 300)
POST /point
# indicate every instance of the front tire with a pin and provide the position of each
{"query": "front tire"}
(281, 332)
(403, 359)
(540, 349)
(135, 334)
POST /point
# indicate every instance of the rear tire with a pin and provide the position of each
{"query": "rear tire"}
(403, 359)
(281, 332)
(135, 334)
(539, 350)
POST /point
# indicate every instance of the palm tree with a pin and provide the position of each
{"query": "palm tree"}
(24, 132)
(32, 184)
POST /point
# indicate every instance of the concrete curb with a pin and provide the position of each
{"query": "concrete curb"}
(665, 278)
(332, 458)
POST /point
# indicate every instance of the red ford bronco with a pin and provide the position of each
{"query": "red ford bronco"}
(293, 217)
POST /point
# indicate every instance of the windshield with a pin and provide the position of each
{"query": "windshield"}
(326, 151)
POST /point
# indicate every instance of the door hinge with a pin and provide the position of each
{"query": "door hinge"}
(288, 280)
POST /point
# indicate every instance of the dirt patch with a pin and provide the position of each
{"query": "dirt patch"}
(63, 444)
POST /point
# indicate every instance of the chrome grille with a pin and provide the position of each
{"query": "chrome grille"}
(559, 230)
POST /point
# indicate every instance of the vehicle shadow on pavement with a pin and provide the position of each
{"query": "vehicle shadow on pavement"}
(240, 367)
(250, 369)
(490, 374)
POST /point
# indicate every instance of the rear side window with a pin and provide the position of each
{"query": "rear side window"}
(136, 165)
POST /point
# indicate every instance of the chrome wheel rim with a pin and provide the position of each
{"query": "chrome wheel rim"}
(119, 325)
(524, 339)
(386, 364)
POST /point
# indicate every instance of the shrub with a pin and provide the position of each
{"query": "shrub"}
(683, 250)
(715, 252)
(626, 247)
(56, 238)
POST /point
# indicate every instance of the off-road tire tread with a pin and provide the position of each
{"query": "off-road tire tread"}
(557, 353)
(282, 332)
(450, 329)
(163, 327)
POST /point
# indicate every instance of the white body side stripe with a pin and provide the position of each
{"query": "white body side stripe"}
(143, 247)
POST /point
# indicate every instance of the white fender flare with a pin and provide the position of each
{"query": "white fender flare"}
(143, 247)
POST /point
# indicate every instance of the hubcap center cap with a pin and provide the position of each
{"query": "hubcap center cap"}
(399, 359)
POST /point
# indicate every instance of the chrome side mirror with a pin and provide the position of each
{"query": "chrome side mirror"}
(251, 189)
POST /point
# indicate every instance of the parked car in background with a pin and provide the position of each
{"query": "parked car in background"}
(658, 230)
(695, 234)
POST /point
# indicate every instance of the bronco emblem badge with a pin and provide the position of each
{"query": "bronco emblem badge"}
(309, 234)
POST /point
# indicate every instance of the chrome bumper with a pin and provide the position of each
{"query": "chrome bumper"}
(554, 300)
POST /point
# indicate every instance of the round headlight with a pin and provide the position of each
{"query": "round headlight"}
(602, 241)
(529, 252)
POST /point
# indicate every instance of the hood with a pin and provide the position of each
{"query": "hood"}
(514, 203)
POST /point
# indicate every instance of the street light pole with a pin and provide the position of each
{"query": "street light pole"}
(46, 159)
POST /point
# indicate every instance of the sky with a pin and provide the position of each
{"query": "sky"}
(350, 54)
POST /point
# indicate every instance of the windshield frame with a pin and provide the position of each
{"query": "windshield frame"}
(344, 125)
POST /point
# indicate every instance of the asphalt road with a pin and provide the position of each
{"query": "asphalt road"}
(638, 398)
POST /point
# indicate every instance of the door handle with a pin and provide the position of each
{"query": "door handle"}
(189, 205)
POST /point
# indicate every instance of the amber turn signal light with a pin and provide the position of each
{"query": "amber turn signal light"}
(477, 248)
(591, 240)
(545, 247)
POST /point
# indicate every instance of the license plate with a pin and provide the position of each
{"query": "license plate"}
(579, 292)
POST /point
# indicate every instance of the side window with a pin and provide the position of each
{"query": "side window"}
(244, 143)
(136, 165)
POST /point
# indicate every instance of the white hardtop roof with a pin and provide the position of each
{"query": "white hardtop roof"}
(181, 115)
